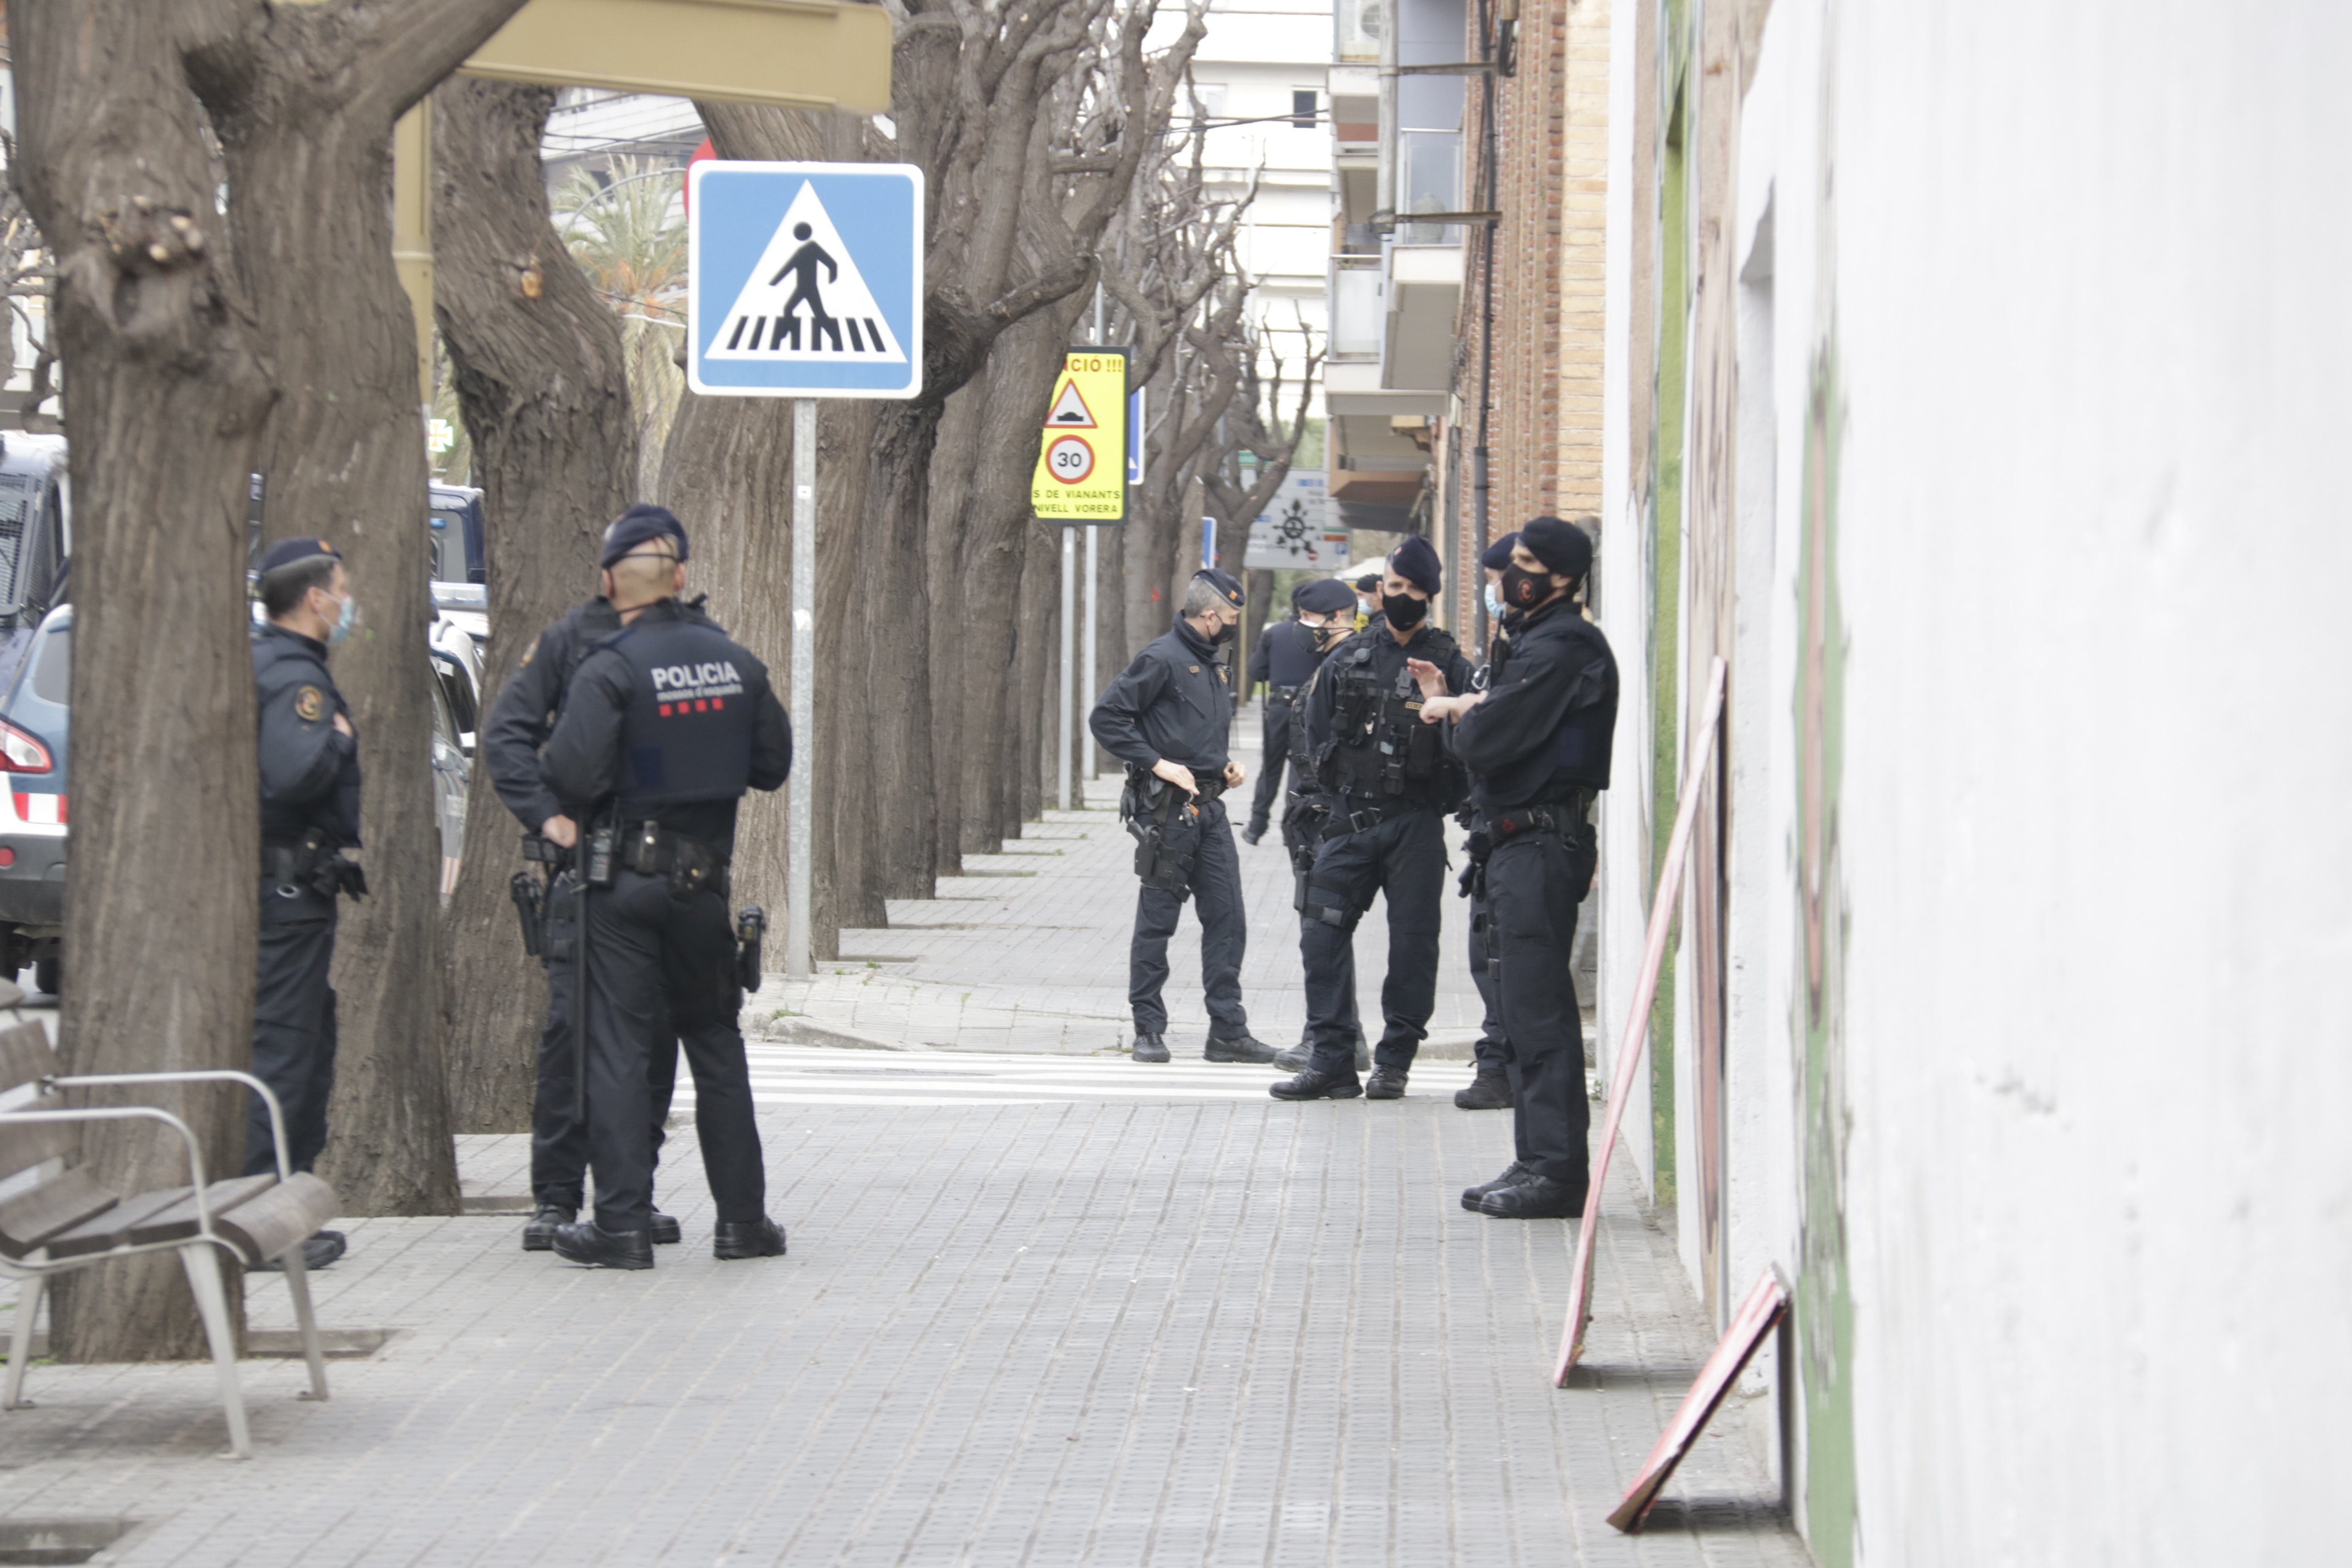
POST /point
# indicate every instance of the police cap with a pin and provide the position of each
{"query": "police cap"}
(1565, 549)
(636, 526)
(1498, 554)
(1222, 581)
(286, 551)
(1416, 563)
(1324, 597)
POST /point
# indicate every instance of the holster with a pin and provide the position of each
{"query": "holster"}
(529, 896)
(1148, 804)
(750, 934)
(311, 862)
(1480, 845)
(691, 865)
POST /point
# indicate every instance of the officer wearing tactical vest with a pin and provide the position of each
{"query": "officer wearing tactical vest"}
(1167, 717)
(520, 722)
(1490, 1090)
(1537, 742)
(1286, 659)
(309, 815)
(667, 724)
(1386, 783)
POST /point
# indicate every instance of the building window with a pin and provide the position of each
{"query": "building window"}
(1302, 108)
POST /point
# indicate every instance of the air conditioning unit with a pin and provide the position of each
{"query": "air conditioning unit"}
(1357, 25)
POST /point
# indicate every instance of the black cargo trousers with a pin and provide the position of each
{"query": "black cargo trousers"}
(1205, 834)
(293, 1025)
(558, 1137)
(1534, 884)
(658, 963)
(1281, 713)
(1403, 857)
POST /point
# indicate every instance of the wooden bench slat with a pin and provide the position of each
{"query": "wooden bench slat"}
(26, 1056)
(107, 1231)
(24, 1144)
(266, 1224)
(179, 1221)
(30, 1218)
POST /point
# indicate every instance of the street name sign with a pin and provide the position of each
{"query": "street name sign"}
(805, 279)
(1082, 458)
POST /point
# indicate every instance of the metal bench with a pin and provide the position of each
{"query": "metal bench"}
(66, 1220)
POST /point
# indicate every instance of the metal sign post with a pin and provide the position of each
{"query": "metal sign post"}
(1069, 698)
(800, 806)
(803, 280)
(1081, 481)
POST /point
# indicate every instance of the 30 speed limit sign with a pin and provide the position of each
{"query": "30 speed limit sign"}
(1069, 459)
(1081, 473)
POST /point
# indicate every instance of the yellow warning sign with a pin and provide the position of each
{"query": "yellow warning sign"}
(1082, 455)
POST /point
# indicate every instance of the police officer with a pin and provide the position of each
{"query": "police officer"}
(520, 722)
(1537, 742)
(309, 815)
(1386, 782)
(1167, 717)
(1286, 655)
(667, 724)
(1490, 1090)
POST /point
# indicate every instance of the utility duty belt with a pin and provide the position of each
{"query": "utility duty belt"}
(1283, 694)
(311, 862)
(1376, 810)
(1566, 817)
(651, 851)
(1148, 806)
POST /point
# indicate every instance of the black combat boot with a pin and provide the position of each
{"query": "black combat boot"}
(1510, 1178)
(539, 1236)
(1292, 1059)
(1151, 1048)
(1386, 1083)
(1363, 1055)
(591, 1244)
(761, 1237)
(1535, 1197)
(666, 1230)
(1314, 1085)
(1244, 1049)
(1490, 1091)
(1254, 831)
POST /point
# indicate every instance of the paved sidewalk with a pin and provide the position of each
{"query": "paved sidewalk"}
(1040, 1308)
(1027, 951)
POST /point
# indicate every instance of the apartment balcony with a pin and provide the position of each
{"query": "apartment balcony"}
(1357, 310)
(1423, 290)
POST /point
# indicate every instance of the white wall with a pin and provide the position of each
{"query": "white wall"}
(2072, 274)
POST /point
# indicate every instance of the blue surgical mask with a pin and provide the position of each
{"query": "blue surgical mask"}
(1494, 602)
(345, 622)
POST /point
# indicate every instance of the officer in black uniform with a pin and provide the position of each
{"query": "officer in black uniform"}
(1387, 782)
(1490, 1090)
(309, 815)
(1286, 655)
(1537, 742)
(667, 724)
(1167, 717)
(520, 721)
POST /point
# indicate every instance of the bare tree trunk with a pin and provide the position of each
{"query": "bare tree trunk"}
(304, 99)
(167, 401)
(543, 380)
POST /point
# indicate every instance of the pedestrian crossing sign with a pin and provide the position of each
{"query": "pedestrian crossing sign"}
(1082, 458)
(805, 279)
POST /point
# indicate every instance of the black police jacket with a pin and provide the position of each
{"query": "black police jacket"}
(528, 705)
(309, 769)
(1171, 702)
(1286, 655)
(1545, 729)
(670, 721)
(1364, 734)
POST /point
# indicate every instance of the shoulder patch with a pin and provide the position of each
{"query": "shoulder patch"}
(308, 703)
(528, 655)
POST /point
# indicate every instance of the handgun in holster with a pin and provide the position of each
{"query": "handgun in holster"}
(750, 932)
(1148, 806)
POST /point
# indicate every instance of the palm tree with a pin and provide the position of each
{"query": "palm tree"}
(625, 226)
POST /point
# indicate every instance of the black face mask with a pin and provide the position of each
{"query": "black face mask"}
(1227, 633)
(1522, 589)
(1403, 611)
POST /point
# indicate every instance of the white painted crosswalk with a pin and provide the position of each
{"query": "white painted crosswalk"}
(821, 1075)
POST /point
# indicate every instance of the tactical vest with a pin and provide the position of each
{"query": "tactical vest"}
(687, 732)
(1378, 746)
